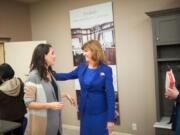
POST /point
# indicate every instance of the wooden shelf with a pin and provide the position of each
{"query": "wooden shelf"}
(163, 123)
(168, 59)
(168, 44)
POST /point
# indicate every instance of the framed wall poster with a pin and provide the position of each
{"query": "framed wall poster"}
(94, 22)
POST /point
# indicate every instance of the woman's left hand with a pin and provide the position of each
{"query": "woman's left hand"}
(110, 126)
(71, 99)
(171, 93)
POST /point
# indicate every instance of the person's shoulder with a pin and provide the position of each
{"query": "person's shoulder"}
(81, 65)
(106, 67)
(34, 73)
(33, 76)
(19, 79)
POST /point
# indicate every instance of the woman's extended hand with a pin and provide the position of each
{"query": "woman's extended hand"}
(71, 99)
(110, 126)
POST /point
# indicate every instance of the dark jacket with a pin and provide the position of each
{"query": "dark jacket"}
(175, 110)
(178, 97)
(12, 105)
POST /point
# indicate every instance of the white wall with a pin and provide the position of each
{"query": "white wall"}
(22, 51)
(134, 47)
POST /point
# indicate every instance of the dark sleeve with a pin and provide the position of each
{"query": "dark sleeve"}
(178, 86)
(178, 97)
(67, 76)
(110, 95)
(1, 97)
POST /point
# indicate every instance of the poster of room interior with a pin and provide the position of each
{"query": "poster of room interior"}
(94, 22)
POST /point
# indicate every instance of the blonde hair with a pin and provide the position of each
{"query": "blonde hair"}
(98, 55)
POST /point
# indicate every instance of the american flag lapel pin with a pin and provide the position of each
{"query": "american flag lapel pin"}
(102, 74)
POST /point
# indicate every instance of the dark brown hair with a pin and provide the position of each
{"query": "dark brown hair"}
(38, 60)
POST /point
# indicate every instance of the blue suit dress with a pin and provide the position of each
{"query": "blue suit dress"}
(97, 98)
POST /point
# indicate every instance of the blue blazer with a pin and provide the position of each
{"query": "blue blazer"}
(97, 97)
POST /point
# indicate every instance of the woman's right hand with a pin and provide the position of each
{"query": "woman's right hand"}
(55, 105)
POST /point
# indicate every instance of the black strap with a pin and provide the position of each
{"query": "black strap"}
(55, 88)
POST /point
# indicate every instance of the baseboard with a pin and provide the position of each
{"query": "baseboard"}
(76, 128)
(70, 127)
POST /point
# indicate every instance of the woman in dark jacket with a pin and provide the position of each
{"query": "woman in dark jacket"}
(12, 107)
(173, 94)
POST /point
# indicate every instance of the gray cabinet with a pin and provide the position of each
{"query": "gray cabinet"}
(166, 39)
(167, 30)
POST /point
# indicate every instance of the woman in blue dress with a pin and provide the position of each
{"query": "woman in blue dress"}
(97, 98)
